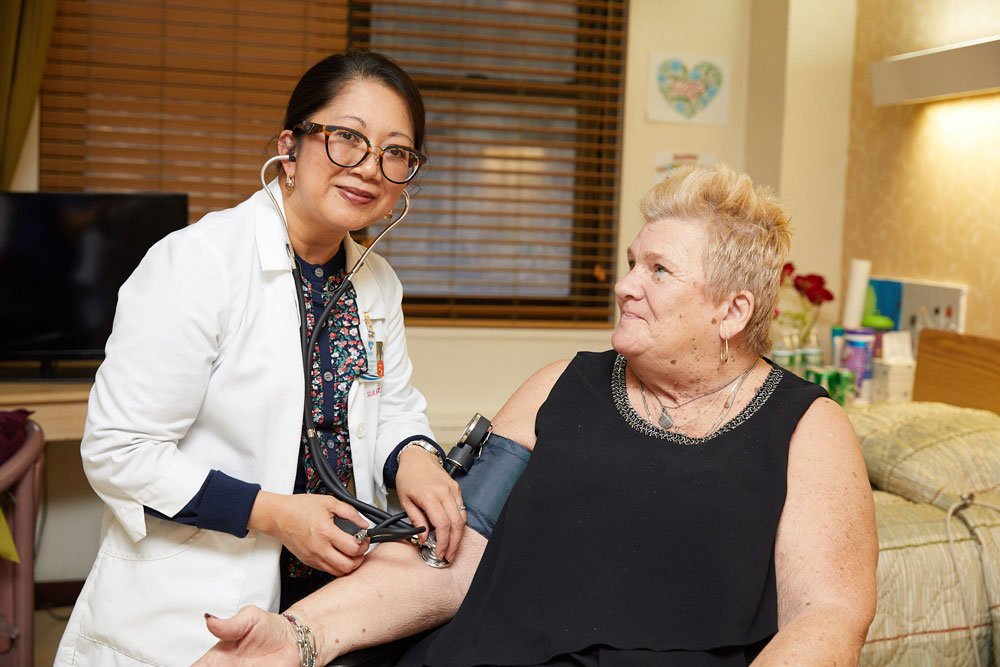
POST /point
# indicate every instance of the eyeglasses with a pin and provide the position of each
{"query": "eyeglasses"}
(349, 148)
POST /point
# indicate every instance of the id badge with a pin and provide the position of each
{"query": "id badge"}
(374, 350)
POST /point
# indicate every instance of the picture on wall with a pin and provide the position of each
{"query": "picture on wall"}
(688, 89)
(665, 162)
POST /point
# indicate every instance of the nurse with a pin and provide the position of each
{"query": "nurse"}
(194, 428)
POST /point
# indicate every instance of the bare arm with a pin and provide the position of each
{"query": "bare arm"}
(516, 419)
(826, 548)
(392, 594)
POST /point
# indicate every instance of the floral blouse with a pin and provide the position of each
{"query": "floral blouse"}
(338, 359)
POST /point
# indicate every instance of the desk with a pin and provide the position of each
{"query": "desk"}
(60, 407)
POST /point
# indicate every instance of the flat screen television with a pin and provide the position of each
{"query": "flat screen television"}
(63, 257)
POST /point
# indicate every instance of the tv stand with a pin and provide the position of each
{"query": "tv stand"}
(49, 371)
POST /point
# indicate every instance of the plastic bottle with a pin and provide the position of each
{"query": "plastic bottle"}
(784, 353)
(811, 352)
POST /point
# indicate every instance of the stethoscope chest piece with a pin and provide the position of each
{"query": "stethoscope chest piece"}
(426, 551)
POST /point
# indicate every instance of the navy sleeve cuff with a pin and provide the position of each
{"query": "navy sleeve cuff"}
(391, 466)
(223, 503)
(226, 504)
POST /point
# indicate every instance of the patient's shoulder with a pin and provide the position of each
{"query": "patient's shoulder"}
(516, 419)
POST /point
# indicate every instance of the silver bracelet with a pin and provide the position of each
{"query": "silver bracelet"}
(306, 642)
(422, 444)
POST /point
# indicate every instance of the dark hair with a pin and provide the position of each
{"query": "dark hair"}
(324, 81)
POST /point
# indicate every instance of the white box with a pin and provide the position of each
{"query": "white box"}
(892, 381)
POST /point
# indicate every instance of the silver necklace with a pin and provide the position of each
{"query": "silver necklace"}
(666, 421)
(732, 397)
(666, 418)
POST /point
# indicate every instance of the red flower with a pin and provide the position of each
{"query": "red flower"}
(817, 294)
(803, 284)
(812, 292)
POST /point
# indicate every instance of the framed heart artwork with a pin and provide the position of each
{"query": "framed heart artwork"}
(688, 89)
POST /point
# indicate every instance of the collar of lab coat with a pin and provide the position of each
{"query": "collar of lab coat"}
(365, 281)
(274, 248)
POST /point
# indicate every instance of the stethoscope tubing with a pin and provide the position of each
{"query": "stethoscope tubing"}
(324, 468)
(387, 526)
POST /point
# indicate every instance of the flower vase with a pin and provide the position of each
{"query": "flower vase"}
(810, 352)
(785, 347)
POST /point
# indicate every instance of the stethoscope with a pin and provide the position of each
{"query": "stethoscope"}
(387, 527)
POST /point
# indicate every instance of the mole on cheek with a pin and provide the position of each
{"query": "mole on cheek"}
(673, 362)
(715, 321)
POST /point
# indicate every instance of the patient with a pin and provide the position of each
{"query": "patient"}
(687, 502)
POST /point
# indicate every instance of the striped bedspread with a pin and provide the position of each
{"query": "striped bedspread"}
(922, 458)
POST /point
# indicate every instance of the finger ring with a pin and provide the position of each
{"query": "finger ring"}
(461, 508)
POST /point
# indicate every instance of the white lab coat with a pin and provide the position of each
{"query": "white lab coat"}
(203, 370)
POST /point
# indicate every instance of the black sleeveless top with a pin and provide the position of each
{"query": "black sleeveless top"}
(620, 535)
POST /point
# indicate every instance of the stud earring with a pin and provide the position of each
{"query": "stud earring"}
(289, 182)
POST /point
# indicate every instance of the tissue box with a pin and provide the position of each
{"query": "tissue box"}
(892, 381)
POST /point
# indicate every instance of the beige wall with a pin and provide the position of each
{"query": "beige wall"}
(464, 370)
(790, 131)
(800, 88)
(711, 28)
(819, 54)
(923, 187)
(766, 91)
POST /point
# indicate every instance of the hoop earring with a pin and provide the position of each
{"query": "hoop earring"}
(289, 182)
(724, 354)
(406, 209)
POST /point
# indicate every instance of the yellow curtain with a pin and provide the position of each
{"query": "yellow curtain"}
(25, 28)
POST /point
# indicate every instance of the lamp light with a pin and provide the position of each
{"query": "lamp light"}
(957, 70)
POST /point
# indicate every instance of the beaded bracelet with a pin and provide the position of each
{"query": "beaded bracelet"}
(306, 642)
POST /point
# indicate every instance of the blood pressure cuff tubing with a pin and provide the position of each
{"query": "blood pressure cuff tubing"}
(488, 483)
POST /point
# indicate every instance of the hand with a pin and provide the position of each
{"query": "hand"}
(427, 492)
(251, 637)
(303, 522)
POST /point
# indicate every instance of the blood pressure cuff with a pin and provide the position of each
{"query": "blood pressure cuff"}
(488, 483)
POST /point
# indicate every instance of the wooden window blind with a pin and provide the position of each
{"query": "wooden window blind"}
(514, 217)
(175, 95)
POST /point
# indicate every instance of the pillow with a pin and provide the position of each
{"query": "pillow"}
(929, 452)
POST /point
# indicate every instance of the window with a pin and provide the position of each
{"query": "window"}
(175, 95)
(514, 217)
